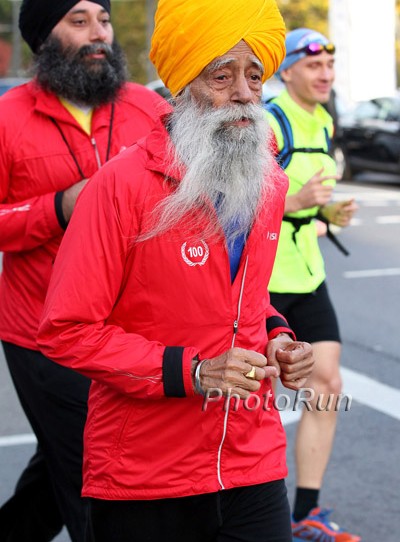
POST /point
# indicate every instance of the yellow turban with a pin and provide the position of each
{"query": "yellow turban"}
(189, 34)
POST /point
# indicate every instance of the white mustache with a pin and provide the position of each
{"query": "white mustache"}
(237, 112)
(216, 159)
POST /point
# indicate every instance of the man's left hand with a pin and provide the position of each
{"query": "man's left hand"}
(293, 359)
(340, 213)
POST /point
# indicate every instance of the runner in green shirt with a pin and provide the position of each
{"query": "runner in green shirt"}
(303, 129)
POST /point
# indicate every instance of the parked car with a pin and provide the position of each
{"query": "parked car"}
(368, 138)
(9, 82)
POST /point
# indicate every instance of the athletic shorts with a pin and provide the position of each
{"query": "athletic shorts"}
(311, 316)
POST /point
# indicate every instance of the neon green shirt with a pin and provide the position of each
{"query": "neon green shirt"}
(299, 267)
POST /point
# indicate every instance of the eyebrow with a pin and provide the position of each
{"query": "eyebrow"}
(222, 62)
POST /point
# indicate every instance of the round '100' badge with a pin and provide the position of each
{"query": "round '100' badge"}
(195, 253)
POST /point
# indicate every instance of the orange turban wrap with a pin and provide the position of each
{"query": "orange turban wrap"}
(189, 34)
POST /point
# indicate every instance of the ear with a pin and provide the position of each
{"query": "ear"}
(286, 75)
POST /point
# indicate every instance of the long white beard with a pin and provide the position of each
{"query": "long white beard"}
(223, 167)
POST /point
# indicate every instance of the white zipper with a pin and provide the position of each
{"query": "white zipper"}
(96, 152)
(235, 330)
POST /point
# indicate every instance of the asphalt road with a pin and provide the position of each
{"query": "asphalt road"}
(363, 479)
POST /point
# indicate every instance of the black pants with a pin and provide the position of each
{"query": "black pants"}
(246, 514)
(47, 495)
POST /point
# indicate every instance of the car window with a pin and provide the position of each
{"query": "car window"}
(388, 109)
(393, 111)
(367, 110)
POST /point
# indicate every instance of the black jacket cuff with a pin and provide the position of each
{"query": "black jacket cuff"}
(58, 207)
(275, 322)
(173, 372)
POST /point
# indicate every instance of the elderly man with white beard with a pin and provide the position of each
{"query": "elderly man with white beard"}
(159, 295)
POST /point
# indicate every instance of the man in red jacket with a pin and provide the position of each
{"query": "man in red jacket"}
(159, 295)
(55, 133)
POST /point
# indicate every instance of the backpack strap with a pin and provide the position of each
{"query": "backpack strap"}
(297, 223)
(284, 156)
(331, 236)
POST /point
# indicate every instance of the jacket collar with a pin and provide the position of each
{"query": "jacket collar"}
(157, 145)
(48, 104)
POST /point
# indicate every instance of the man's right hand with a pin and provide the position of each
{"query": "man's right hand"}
(313, 193)
(227, 372)
(69, 198)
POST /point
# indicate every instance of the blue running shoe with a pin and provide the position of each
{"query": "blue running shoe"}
(317, 527)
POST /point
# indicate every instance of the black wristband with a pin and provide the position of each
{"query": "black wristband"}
(58, 208)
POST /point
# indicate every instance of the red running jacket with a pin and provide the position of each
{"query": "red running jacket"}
(35, 164)
(132, 316)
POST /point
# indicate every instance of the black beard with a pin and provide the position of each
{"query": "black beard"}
(67, 72)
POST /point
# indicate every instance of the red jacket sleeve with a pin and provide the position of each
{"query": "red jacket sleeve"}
(25, 224)
(276, 323)
(86, 282)
(28, 224)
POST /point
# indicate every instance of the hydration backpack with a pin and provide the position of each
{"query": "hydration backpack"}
(284, 157)
(285, 154)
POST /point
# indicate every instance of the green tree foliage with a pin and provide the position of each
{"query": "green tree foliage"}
(132, 20)
(5, 20)
(130, 25)
(308, 13)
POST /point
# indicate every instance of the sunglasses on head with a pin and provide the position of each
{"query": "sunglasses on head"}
(313, 49)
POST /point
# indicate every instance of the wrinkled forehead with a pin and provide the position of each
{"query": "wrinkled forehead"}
(240, 53)
(229, 61)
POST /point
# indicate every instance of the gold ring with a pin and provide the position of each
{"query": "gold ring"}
(251, 374)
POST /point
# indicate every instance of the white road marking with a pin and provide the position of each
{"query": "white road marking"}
(16, 440)
(394, 219)
(369, 392)
(367, 192)
(382, 220)
(372, 198)
(290, 416)
(364, 390)
(369, 199)
(374, 203)
(361, 388)
(370, 273)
